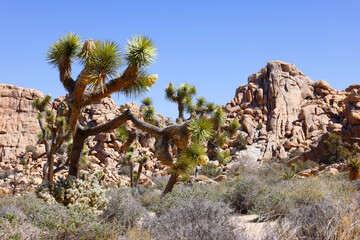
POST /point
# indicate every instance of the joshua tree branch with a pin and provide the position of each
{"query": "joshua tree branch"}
(65, 74)
(127, 79)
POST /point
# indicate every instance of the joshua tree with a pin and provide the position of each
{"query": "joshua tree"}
(99, 79)
(141, 162)
(182, 96)
(54, 132)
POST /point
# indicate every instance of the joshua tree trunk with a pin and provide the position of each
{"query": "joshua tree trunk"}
(139, 174)
(181, 110)
(76, 151)
(170, 184)
(131, 174)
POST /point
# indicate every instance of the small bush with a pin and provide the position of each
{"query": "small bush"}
(122, 208)
(75, 193)
(210, 170)
(194, 218)
(242, 195)
(182, 191)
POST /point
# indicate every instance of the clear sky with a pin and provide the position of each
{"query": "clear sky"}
(214, 45)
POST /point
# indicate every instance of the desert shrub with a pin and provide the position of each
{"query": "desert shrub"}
(75, 193)
(10, 229)
(57, 221)
(326, 219)
(242, 195)
(337, 150)
(193, 218)
(150, 197)
(30, 148)
(122, 208)
(182, 191)
(210, 170)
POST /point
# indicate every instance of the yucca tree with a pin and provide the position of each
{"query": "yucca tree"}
(99, 78)
(181, 95)
(200, 131)
(54, 132)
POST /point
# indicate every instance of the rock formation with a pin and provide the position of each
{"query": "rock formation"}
(18, 123)
(282, 110)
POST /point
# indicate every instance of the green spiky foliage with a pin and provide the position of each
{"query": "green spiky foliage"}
(201, 130)
(221, 140)
(218, 118)
(121, 133)
(210, 107)
(54, 131)
(233, 127)
(140, 51)
(290, 173)
(182, 96)
(101, 76)
(223, 157)
(147, 102)
(148, 110)
(243, 142)
(68, 46)
(100, 176)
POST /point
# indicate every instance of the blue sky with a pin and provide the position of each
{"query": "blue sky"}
(214, 45)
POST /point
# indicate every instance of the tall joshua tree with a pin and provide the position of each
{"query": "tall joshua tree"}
(98, 79)
(181, 95)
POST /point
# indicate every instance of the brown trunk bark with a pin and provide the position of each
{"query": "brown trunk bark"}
(170, 184)
(181, 110)
(76, 151)
(138, 175)
(131, 175)
(51, 169)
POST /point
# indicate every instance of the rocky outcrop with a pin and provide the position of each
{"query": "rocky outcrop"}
(18, 123)
(284, 110)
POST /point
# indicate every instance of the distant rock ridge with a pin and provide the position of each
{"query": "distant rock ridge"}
(282, 110)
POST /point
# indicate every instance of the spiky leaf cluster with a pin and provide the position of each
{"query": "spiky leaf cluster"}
(55, 120)
(67, 46)
(223, 157)
(140, 51)
(201, 130)
(121, 133)
(102, 61)
(234, 125)
(148, 110)
(218, 118)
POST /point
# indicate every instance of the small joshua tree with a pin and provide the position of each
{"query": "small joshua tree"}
(354, 168)
(182, 96)
(141, 162)
(148, 110)
(54, 132)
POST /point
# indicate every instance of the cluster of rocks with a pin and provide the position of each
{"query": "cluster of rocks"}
(332, 169)
(282, 110)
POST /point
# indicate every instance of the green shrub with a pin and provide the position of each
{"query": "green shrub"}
(122, 208)
(243, 194)
(210, 170)
(194, 218)
(337, 150)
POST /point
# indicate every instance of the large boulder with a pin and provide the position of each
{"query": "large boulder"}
(18, 123)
